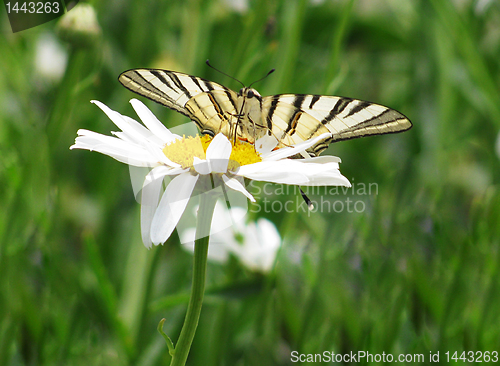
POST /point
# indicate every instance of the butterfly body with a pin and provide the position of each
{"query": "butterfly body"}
(247, 116)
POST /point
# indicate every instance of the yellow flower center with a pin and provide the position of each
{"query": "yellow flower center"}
(184, 150)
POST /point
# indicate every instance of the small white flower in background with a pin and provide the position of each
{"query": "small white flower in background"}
(50, 57)
(192, 161)
(254, 244)
(240, 6)
(261, 242)
(482, 6)
(222, 221)
(317, 2)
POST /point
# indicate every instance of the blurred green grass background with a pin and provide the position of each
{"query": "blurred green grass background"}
(417, 271)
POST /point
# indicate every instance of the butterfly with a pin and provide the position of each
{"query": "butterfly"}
(247, 116)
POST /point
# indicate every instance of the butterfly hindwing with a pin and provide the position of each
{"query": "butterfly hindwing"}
(299, 117)
(213, 111)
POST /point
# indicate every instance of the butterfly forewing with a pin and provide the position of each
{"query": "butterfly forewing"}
(170, 88)
(290, 118)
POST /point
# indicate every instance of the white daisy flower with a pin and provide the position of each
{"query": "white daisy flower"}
(258, 246)
(185, 160)
(254, 244)
(220, 230)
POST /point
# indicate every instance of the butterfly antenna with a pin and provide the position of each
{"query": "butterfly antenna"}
(309, 203)
(262, 78)
(223, 73)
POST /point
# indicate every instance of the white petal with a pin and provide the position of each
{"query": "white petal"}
(123, 151)
(285, 152)
(123, 136)
(296, 171)
(237, 186)
(321, 159)
(174, 171)
(328, 178)
(144, 135)
(150, 196)
(201, 166)
(266, 144)
(172, 206)
(325, 173)
(140, 137)
(160, 156)
(121, 122)
(132, 130)
(218, 153)
(219, 148)
(283, 171)
(151, 122)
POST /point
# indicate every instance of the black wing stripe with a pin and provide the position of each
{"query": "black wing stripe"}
(272, 109)
(314, 99)
(160, 76)
(209, 87)
(341, 104)
(358, 107)
(195, 80)
(297, 103)
(217, 107)
(328, 118)
(230, 97)
(150, 87)
(383, 117)
(299, 100)
(387, 116)
(155, 94)
(208, 84)
(323, 145)
(343, 137)
(179, 84)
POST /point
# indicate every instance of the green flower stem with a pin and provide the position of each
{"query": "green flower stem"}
(204, 219)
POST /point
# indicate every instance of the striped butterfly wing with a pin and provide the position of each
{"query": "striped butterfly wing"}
(299, 117)
(291, 118)
(210, 105)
